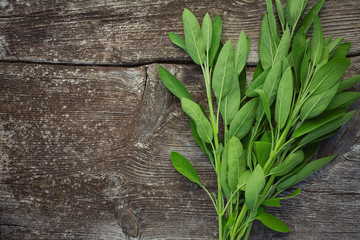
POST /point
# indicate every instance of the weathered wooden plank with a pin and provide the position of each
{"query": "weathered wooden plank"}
(133, 32)
(85, 154)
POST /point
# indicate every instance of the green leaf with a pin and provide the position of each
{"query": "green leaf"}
(343, 99)
(206, 149)
(298, 49)
(216, 38)
(273, 222)
(254, 186)
(304, 69)
(271, 82)
(312, 167)
(258, 70)
(243, 179)
(283, 48)
(236, 162)
(265, 104)
(308, 19)
(207, 32)
(335, 43)
(280, 12)
(317, 122)
(195, 44)
(341, 51)
(316, 104)
(242, 82)
(173, 84)
(275, 35)
(293, 11)
(326, 128)
(224, 71)
(243, 119)
(348, 83)
(328, 75)
(241, 52)
(317, 42)
(177, 40)
(275, 202)
(262, 150)
(284, 98)
(203, 125)
(230, 104)
(257, 84)
(183, 166)
(224, 171)
(272, 202)
(286, 183)
(289, 164)
(266, 45)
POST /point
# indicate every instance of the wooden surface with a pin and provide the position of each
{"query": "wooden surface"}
(86, 126)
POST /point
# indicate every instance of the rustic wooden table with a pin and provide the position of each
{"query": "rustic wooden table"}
(86, 127)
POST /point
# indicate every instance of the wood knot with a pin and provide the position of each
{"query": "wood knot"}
(128, 222)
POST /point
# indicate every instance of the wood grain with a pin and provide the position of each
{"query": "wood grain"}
(85, 154)
(130, 32)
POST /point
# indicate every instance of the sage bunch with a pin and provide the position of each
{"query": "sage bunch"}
(260, 137)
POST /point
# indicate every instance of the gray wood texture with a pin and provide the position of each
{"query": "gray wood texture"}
(86, 126)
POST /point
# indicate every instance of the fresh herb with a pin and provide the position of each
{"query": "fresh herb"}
(272, 127)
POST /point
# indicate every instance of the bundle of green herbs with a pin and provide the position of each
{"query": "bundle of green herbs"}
(272, 127)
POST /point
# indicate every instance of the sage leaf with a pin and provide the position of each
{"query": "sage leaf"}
(348, 83)
(312, 167)
(289, 164)
(243, 119)
(195, 44)
(275, 202)
(343, 99)
(204, 146)
(173, 84)
(341, 51)
(309, 17)
(257, 84)
(266, 45)
(202, 123)
(327, 128)
(183, 166)
(271, 82)
(177, 40)
(230, 104)
(293, 11)
(283, 47)
(272, 222)
(207, 32)
(316, 104)
(224, 171)
(286, 183)
(304, 69)
(264, 106)
(224, 71)
(319, 121)
(317, 42)
(272, 23)
(215, 39)
(284, 98)
(258, 70)
(335, 43)
(298, 50)
(328, 75)
(280, 12)
(262, 150)
(241, 52)
(255, 184)
(242, 82)
(243, 179)
(236, 162)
